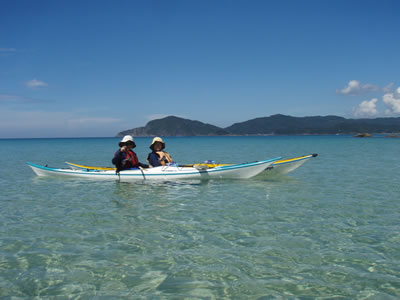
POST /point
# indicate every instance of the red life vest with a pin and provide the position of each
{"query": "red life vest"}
(134, 160)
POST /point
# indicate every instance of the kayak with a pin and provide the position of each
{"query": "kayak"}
(279, 167)
(173, 172)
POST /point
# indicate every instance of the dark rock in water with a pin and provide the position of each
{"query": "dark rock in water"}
(362, 135)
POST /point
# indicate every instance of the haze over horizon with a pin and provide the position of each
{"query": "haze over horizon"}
(77, 69)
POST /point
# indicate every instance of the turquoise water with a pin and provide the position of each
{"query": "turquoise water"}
(328, 230)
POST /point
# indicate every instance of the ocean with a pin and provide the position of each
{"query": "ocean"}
(328, 230)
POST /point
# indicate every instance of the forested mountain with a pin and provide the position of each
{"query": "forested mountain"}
(275, 124)
(174, 126)
(281, 124)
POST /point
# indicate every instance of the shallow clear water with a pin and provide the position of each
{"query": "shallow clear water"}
(329, 229)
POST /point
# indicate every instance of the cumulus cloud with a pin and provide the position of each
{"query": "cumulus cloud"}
(392, 101)
(367, 108)
(34, 83)
(354, 87)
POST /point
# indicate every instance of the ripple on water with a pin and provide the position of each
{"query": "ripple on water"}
(330, 230)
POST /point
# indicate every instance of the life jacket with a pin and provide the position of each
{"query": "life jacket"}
(134, 160)
(165, 158)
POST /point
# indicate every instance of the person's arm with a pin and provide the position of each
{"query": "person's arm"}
(117, 160)
(154, 160)
(164, 157)
(145, 166)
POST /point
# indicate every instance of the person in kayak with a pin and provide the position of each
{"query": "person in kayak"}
(158, 157)
(124, 158)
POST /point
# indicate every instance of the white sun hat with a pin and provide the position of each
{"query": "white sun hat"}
(127, 138)
(155, 140)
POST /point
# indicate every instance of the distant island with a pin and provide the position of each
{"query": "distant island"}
(272, 125)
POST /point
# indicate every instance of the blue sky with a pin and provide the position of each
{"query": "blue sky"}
(94, 68)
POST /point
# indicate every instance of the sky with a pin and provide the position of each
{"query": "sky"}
(94, 68)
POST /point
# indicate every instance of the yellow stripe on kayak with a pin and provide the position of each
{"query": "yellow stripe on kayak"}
(209, 165)
(291, 159)
(275, 163)
(91, 167)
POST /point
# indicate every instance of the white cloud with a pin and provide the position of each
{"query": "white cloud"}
(10, 98)
(392, 101)
(18, 123)
(17, 99)
(92, 121)
(39, 123)
(354, 87)
(367, 108)
(388, 88)
(34, 83)
(7, 51)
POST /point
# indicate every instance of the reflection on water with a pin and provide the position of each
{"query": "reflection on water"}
(156, 189)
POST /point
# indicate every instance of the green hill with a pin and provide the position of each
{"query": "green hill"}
(281, 124)
(275, 124)
(174, 126)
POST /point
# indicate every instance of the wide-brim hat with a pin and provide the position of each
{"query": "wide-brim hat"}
(155, 140)
(126, 139)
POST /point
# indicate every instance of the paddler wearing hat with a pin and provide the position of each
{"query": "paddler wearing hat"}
(158, 157)
(124, 158)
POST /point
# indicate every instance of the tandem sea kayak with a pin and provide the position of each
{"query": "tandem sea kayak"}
(174, 172)
(279, 167)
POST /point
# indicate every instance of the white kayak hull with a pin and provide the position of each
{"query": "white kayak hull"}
(239, 171)
(283, 167)
(279, 167)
